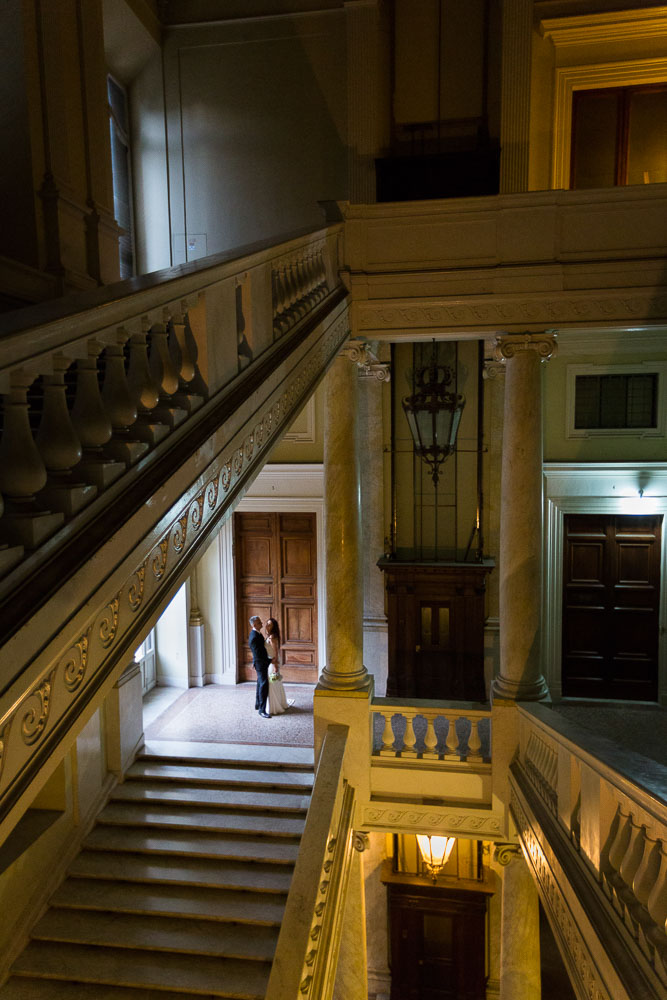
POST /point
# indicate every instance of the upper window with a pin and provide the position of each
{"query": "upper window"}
(619, 136)
(616, 399)
(121, 168)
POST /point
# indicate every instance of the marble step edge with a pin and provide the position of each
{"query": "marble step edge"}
(215, 873)
(239, 762)
(140, 841)
(121, 967)
(28, 988)
(154, 797)
(174, 823)
(295, 782)
(146, 937)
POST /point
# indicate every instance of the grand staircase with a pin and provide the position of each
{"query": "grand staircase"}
(179, 889)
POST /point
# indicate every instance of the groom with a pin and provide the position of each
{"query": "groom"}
(260, 662)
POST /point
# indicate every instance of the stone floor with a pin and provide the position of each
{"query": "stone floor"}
(639, 728)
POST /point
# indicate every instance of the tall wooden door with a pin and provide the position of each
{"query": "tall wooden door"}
(611, 606)
(276, 577)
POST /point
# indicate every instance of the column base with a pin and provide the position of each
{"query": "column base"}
(331, 680)
(503, 688)
(69, 498)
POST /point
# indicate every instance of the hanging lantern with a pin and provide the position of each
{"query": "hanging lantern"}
(435, 852)
(434, 413)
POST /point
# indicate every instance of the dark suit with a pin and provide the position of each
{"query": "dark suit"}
(260, 662)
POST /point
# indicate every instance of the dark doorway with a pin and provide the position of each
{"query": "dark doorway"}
(276, 576)
(611, 595)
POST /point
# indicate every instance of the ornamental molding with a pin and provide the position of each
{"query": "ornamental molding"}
(420, 820)
(581, 964)
(609, 26)
(509, 345)
(505, 854)
(502, 312)
(65, 677)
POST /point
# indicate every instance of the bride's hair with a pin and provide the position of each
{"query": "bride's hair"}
(274, 630)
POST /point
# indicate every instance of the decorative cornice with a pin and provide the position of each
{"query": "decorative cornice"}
(508, 345)
(608, 26)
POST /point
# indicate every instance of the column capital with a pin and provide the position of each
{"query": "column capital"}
(369, 365)
(508, 345)
(505, 854)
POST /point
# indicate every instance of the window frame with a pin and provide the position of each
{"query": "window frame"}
(643, 368)
(123, 134)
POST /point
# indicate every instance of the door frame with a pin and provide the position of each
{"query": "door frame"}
(279, 488)
(596, 488)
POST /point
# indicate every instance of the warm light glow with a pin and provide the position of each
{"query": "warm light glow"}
(435, 851)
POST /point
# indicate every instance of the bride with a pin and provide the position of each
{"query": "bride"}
(278, 702)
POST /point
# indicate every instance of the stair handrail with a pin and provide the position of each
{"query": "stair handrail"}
(306, 955)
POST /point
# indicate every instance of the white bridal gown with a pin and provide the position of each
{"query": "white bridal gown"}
(278, 702)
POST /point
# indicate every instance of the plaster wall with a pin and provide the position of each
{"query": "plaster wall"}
(256, 128)
(171, 640)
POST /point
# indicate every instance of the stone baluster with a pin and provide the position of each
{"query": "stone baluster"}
(144, 388)
(22, 475)
(656, 905)
(642, 886)
(321, 273)
(410, 738)
(430, 740)
(183, 349)
(520, 676)
(92, 424)
(629, 866)
(60, 447)
(387, 749)
(120, 404)
(611, 864)
(452, 741)
(474, 741)
(165, 375)
(282, 322)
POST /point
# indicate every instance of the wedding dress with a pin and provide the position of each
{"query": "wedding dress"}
(278, 701)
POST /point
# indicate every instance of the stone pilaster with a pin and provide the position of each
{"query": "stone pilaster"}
(520, 675)
(515, 116)
(344, 670)
(351, 975)
(196, 635)
(520, 928)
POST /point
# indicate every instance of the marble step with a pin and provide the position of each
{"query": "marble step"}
(243, 755)
(171, 900)
(263, 777)
(252, 876)
(18, 988)
(228, 798)
(197, 937)
(202, 975)
(196, 844)
(139, 814)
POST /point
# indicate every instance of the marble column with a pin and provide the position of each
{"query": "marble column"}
(196, 635)
(520, 677)
(520, 977)
(517, 28)
(344, 670)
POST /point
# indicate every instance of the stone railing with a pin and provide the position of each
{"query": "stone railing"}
(431, 731)
(133, 418)
(593, 820)
(306, 955)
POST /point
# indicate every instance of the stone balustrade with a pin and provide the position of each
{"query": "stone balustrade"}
(600, 843)
(133, 418)
(431, 732)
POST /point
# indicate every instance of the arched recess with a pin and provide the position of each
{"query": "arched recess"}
(596, 488)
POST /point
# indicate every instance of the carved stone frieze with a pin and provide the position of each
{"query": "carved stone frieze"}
(38, 702)
(389, 818)
(500, 312)
(75, 662)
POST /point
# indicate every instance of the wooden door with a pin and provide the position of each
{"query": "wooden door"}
(611, 606)
(276, 576)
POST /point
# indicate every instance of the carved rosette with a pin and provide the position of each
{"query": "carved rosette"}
(75, 662)
(180, 532)
(109, 622)
(508, 345)
(135, 591)
(35, 719)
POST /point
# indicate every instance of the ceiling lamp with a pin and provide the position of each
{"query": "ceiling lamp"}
(435, 852)
(434, 414)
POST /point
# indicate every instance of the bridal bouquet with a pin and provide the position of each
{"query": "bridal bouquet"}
(276, 676)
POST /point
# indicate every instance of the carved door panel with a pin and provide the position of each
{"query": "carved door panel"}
(611, 602)
(276, 576)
